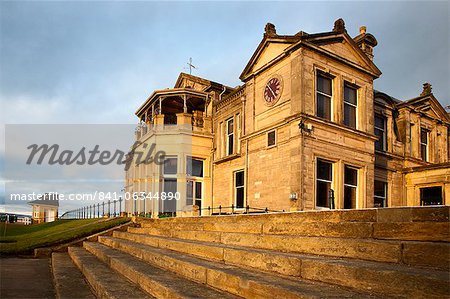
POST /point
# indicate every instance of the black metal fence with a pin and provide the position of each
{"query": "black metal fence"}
(100, 210)
(209, 211)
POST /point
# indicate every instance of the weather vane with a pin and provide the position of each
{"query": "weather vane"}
(191, 66)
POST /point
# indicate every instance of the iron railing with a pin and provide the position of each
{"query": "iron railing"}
(237, 210)
(110, 208)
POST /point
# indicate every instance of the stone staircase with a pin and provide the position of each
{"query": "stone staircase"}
(395, 252)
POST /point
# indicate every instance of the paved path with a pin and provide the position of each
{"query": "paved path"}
(26, 278)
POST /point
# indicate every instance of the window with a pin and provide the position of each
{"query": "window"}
(350, 187)
(194, 170)
(424, 144)
(324, 182)
(239, 188)
(380, 195)
(380, 132)
(271, 138)
(350, 106)
(431, 196)
(230, 136)
(194, 167)
(170, 166)
(169, 185)
(168, 205)
(410, 140)
(323, 97)
(194, 191)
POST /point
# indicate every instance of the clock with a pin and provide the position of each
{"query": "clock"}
(272, 90)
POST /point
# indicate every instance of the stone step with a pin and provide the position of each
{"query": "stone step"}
(362, 275)
(105, 282)
(412, 231)
(419, 253)
(366, 249)
(381, 215)
(155, 281)
(238, 281)
(68, 279)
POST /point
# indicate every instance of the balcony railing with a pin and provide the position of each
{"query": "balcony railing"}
(195, 122)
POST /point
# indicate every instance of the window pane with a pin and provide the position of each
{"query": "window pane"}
(239, 179)
(324, 84)
(379, 144)
(349, 116)
(239, 187)
(324, 170)
(380, 189)
(230, 144)
(431, 196)
(379, 122)
(379, 202)
(189, 193)
(170, 166)
(323, 107)
(349, 197)
(271, 138)
(198, 190)
(169, 205)
(240, 197)
(351, 176)
(322, 194)
(230, 126)
(194, 167)
(423, 136)
(350, 95)
(423, 152)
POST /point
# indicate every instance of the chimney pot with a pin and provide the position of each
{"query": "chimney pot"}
(362, 29)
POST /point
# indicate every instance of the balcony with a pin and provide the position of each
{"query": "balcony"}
(175, 109)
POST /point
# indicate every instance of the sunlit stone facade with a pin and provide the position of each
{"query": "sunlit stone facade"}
(306, 130)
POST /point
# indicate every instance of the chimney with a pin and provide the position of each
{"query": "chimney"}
(366, 42)
(270, 30)
(426, 89)
(339, 26)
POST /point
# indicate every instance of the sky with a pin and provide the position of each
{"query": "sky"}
(96, 62)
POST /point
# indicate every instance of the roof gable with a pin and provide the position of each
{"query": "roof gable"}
(427, 105)
(338, 44)
(342, 45)
(270, 47)
(189, 81)
(268, 51)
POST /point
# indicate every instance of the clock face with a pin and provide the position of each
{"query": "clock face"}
(272, 91)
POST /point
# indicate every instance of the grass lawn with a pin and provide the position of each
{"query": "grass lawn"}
(22, 239)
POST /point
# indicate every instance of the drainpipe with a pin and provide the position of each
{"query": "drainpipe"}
(220, 95)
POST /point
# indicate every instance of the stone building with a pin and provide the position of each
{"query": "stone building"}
(45, 209)
(306, 130)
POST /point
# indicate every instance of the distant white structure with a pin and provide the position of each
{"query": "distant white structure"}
(45, 209)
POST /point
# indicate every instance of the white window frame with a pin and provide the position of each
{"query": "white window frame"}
(352, 186)
(426, 144)
(327, 76)
(236, 188)
(228, 134)
(323, 180)
(355, 88)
